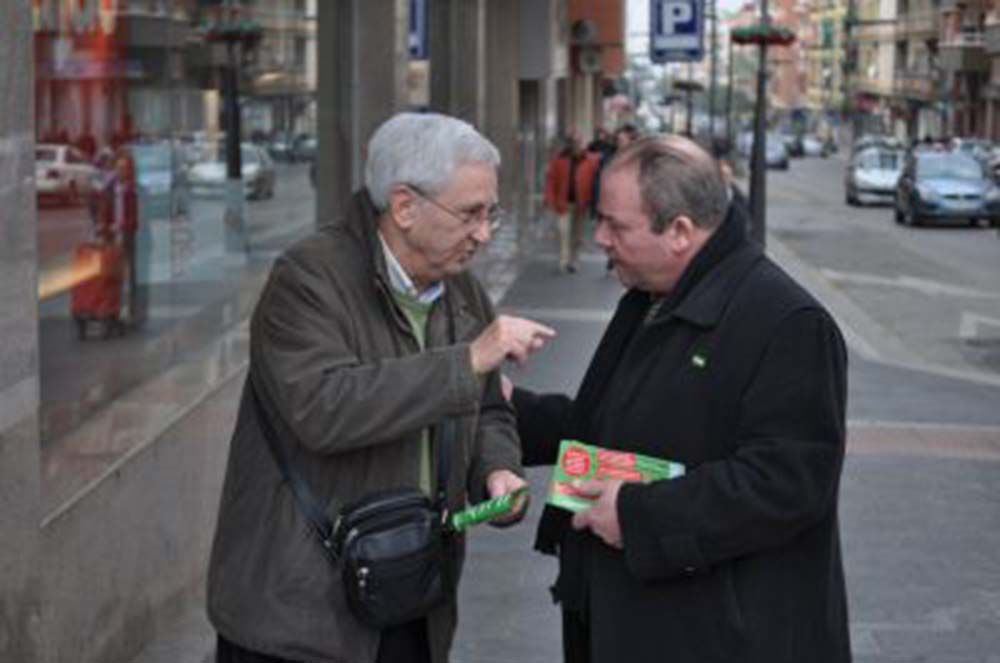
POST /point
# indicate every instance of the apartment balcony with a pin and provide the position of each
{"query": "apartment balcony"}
(921, 87)
(922, 24)
(881, 87)
(965, 51)
(874, 31)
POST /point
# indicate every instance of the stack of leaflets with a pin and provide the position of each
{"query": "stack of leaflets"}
(580, 462)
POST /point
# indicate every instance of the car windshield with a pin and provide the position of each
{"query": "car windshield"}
(45, 154)
(954, 166)
(879, 160)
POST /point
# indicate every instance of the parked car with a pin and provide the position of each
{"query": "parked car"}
(775, 152)
(872, 175)
(947, 187)
(281, 147)
(63, 173)
(793, 143)
(304, 147)
(209, 177)
(813, 146)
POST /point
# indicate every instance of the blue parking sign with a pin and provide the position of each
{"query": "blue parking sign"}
(675, 30)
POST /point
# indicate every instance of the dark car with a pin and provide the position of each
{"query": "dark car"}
(946, 187)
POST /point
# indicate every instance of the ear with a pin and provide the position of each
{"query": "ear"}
(403, 206)
(684, 235)
(680, 234)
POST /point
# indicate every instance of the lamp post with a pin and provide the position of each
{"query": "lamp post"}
(761, 34)
(240, 36)
(712, 79)
(688, 87)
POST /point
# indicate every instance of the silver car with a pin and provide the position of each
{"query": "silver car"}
(872, 175)
(208, 178)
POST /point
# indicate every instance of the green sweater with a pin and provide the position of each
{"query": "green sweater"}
(416, 313)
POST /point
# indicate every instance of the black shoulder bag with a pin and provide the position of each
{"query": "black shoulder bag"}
(391, 547)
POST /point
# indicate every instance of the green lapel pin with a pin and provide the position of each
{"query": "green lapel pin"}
(699, 360)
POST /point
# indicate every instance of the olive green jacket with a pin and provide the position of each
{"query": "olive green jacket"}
(334, 360)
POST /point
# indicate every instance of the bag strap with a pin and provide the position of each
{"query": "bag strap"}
(310, 508)
(308, 504)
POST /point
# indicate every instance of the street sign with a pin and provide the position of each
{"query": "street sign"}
(675, 30)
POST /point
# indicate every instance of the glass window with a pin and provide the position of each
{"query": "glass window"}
(149, 257)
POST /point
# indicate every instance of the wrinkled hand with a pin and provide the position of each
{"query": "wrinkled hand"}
(507, 337)
(501, 482)
(602, 518)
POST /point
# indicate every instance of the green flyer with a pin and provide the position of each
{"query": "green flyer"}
(579, 462)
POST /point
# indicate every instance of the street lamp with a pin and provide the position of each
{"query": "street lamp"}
(240, 35)
(762, 34)
(688, 87)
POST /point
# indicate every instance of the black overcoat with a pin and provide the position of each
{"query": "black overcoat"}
(743, 379)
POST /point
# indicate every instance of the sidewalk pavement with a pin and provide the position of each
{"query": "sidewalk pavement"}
(920, 508)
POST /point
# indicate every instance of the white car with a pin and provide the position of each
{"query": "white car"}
(208, 178)
(62, 172)
(872, 175)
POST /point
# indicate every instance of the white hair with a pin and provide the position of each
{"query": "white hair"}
(423, 150)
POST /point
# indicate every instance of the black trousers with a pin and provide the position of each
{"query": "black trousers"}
(406, 643)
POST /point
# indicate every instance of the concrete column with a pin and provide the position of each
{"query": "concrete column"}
(362, 48)
(502, 101)
(457, 33)
(20, 503)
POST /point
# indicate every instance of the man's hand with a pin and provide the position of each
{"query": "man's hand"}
(602, 518)
(507, 337)
(501, 482)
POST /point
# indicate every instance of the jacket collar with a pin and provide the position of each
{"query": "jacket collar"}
(709, 282)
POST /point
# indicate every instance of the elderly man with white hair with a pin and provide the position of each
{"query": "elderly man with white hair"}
(368, 336)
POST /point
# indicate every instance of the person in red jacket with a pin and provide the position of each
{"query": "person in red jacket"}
(568, 187)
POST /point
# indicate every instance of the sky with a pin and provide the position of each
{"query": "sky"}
(637, 22)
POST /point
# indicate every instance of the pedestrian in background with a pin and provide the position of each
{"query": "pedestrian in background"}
(569, 179)
(624, 136)
(368, 336)
(123, 207)
(717, 359)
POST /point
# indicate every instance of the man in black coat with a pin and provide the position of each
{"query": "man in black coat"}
(716, 359)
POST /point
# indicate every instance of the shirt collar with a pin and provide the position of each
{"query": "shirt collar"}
(401, 281)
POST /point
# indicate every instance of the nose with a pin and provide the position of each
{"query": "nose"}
(601, 236)
(483, 232)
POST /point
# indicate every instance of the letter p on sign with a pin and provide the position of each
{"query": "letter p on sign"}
(674, 14)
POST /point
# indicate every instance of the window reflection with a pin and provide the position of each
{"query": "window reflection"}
(139, 270)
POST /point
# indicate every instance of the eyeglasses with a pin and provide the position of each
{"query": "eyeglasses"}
(494, 215)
